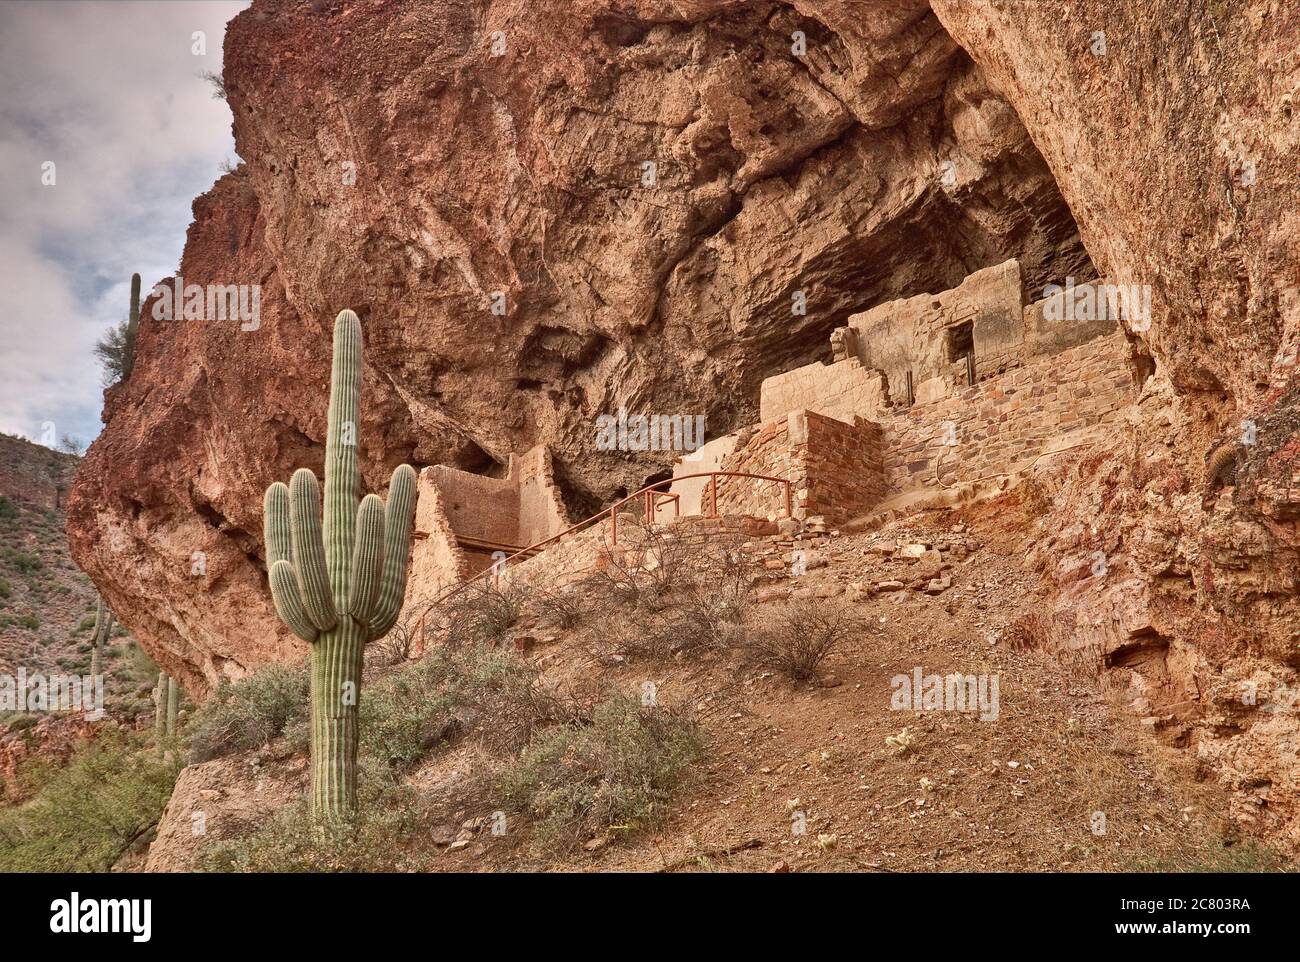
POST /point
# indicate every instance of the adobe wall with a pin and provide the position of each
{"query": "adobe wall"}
(708, 457)
(836, 468)
(541, 513)
(477, 507)
(1007, 421)
(838, 390)
(908, 334)
(437, 561)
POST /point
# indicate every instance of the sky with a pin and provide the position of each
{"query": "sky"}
(110, 91)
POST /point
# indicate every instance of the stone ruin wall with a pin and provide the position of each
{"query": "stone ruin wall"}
(1005, 422)
(841, 432)
(836, 469)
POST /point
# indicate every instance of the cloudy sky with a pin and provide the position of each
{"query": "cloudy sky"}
(111, 92)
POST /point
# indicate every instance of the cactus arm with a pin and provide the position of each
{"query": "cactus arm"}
(367, 558)
(288, 601)
(342, 476)
(309, 550)
(275, 524)
(397, 550)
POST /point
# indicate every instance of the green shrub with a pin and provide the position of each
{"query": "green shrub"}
(7, 508)
(251, 712)
(385, 835)
(615, 773)
(85, 624)
(21, 561)
(87, 814)
(29, 621)
(6, 589)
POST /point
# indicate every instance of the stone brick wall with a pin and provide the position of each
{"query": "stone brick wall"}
(476, 506)
(838, 390)
(836, 468)
(1007, 421)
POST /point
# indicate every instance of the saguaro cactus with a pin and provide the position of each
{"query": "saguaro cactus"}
(173, 704)
(103, 628)
(338, 585)
(160, 706)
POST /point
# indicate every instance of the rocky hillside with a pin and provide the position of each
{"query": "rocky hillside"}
(824, 774)
(546, 211)
(47, 610)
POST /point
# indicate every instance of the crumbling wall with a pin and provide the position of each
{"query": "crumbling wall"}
(908, 336)
(486, 509)
(836, 469)
(838, 390)
(437, 560)
(541, 513)
(1007, 421)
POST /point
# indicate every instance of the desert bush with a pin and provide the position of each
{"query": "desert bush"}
(563, 607)
(483, 613)
(796, 638)
(396, 646)
(698, 605)
(21, 561)
(616, 772)
(88, 814)
(7, 509)
(6, 589)
(250, 713)
(385, 834)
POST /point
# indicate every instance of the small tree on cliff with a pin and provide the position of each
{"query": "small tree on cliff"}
(338, 586)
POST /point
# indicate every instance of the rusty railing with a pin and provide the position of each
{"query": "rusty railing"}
(651, 498)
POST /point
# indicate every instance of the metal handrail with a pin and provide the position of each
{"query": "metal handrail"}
(651, 496)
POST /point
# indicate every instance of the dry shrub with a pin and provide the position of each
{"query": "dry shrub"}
(796, 638)
(483, 613)
(667, 593)
(564, 607)
(396, 646)
(613, 771)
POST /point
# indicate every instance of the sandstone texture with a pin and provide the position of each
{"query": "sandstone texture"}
(644, 189)
(395, 165)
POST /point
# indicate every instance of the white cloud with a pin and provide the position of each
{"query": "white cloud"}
(111, 93)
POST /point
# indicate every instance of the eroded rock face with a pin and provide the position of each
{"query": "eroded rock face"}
(1176, 152)
(397, 165)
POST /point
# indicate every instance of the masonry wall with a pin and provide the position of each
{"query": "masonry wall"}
(541, 513)
(838, 390)
(836, 468)
(478, 507)
(1007, 421)
(437, 561)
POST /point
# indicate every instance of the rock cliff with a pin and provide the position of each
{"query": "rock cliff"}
(547, 211)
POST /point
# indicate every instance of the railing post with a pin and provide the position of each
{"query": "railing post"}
(649, 507)
(713, 495)
(613, 520)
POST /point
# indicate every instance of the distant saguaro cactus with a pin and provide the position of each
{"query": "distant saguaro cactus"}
(173, 704)
(160, 706)
(339, 587)
(103, 628)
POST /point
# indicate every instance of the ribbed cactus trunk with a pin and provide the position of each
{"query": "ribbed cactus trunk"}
(103, 628)
(160, 706)
(173, 704)
(338, 584)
